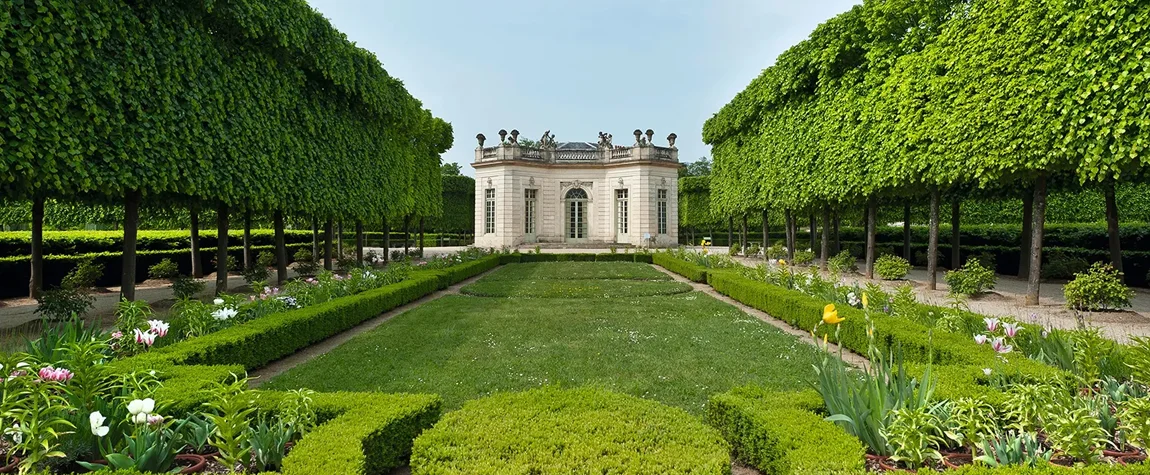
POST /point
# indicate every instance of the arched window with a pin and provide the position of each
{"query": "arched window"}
(576, 194)
(576, 221)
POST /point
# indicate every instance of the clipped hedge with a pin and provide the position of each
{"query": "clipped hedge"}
(584, 430)
(15, 272)
(782, 432)
(679, 266)
(756, 421)
(267, 339)
(372, 433)
(458, 273)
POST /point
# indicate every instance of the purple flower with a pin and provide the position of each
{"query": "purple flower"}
(991, 324)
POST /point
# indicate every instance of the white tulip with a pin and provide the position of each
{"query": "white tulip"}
(141, 406)
(96, 420)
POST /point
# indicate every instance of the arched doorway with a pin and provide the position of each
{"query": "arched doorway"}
(575, 204)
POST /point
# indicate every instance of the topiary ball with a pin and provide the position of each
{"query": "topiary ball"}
(561, 431)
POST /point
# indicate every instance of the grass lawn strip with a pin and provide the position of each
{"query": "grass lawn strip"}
(535, 271)
(676, 349)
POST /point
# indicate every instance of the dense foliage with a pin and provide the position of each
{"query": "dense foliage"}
(601, 431)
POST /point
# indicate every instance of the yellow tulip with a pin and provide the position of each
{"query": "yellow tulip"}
(831, 316)
(825, 340)
(864, 300)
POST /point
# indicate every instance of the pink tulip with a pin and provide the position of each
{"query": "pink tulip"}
(116, 335)
(991, 324)
(1011, 329)
(59, 375)
(146, 338)
(980, 339)
(159, 327)
(1000, 346)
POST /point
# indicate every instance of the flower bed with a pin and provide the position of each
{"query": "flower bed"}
(82, 411)
(585, 430)
(968, 395)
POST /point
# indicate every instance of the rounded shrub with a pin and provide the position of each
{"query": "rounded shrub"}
(1098, 288)
(843, 262)
(165, 269)
(584, 430)
(890, 267)
(803, 258)
(972, 279)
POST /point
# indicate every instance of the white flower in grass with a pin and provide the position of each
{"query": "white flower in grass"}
(224, 313)
(96, 420)
(218, 301)
(986, 371)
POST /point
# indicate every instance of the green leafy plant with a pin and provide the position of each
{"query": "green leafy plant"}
(1073, 429)
(971, 279)
(735, 249)
(1026, 404)
(914, 435)
(842, 263)
(83, 276)
(165, 269)
(64, 303)
(1134, 415)
(1139, 359)
(197, 431)
(973, 421)
(230, 264)
(305, 262)
(1099, 288)
(803, 258)
(297, 411)
(185, 287)
(776, 251)
(149, 449)
(753, 250)
(267, 441)
(1012, 448)
(890, 267)
(230, 407)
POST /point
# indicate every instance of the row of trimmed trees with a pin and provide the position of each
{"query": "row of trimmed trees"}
(255, 106)
(912, 101)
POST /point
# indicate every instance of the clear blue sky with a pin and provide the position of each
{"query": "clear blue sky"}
(577, 67)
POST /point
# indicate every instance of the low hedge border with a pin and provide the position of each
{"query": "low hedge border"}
(19, 243)
(757, 420)
(686, 269)
(517, 257)
(459, 273)
(583, 430)
(360, 433)
(782, 432)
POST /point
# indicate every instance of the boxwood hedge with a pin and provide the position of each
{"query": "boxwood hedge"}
(584, 430)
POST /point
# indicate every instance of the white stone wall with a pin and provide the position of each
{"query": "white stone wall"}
(642, 180)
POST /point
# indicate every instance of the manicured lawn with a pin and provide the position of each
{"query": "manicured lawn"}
(676, 349)
(584, 288)
(577, 270)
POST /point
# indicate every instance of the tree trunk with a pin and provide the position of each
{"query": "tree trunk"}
(359, 242)
(871, 235)
(248, 240)
(281, 247)
(766, 234)
(131, 225)
(314, 239)
(1112, 226)
(406, 235)
(906, 233)
(955, 252)
(743, 235)
(835, 223)
(421, 236)
(730, 230)
(1036, 226)
(790, 238)
(197, 263)
(327, 244)
(932, 247)
(386, 241)
(814, 233)
(222, 249)
(36, 282)
(826, 244)
(1027, 234)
